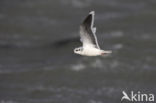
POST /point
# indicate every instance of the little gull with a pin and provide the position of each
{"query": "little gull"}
(88, 37)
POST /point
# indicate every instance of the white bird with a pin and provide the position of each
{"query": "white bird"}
(88, 37)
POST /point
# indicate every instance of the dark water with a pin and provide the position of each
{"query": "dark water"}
(37, 38)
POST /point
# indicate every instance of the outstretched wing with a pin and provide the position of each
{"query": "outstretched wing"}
(87, 31)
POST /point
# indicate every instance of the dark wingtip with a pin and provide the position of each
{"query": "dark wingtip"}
(88, 20)
(92, 12)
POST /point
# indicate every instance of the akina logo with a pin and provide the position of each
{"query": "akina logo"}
(137, 97)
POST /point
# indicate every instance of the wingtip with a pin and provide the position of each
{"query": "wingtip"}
(92, 12)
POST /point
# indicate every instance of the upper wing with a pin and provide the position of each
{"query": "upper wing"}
(87, 31)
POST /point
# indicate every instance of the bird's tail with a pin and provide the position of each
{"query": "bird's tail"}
(106, 52)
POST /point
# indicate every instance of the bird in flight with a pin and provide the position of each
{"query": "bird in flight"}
(90, 46)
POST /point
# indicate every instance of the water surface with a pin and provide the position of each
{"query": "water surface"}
(37, 38)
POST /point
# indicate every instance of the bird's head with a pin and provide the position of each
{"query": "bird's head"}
(78, 50)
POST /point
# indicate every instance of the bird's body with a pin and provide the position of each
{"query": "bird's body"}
(90, 45)
(91, 51)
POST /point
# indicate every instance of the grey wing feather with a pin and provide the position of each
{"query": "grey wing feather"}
(87, 31)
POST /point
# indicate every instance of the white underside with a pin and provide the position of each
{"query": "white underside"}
(90, 51)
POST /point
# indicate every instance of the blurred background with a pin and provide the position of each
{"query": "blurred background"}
(37, 63)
